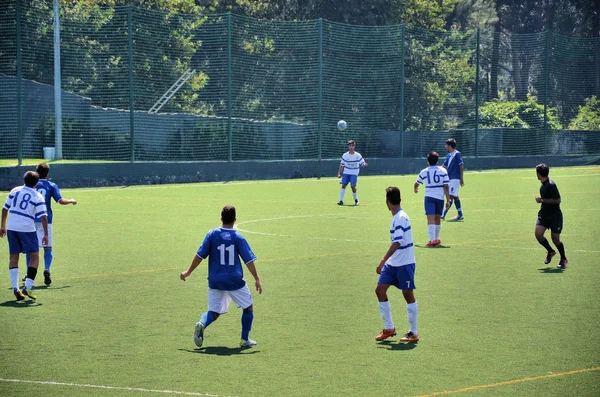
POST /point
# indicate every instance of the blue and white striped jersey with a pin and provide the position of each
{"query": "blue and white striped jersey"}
(400, 231)
(224, 247)
(452, 162)
(24, 204)
(352, 163)
(434, 178)
(50, 191)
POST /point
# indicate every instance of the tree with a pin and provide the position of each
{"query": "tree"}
(588, 117)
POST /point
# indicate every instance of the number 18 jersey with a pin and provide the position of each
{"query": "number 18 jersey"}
(224, 247)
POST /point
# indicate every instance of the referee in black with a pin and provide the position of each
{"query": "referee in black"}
(550, 216)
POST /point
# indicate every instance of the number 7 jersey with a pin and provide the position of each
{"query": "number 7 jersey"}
(224, 247)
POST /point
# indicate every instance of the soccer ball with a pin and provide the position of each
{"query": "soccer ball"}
(342, 125)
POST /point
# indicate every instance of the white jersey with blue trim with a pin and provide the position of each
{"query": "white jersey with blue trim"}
(24, 204)
(434, 178)
(352, 163)
(400, 232)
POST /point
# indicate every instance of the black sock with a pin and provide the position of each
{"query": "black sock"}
(546, 245)
(561, 249)
(31, 272)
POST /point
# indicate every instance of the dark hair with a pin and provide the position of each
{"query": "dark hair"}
(228, 215)
(451, 142)
(432, 158)
(31, 178)
(543, 170)
(351, 142)
(42, 169)
(392, 194)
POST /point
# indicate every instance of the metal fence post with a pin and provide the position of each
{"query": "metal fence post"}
(477, 61)
(547, 55)
(402, 81)
(130, 51)
(19, 88)
(57, 86)
(229, 80)
(320, 93)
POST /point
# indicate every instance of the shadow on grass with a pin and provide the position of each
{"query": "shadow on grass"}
(45, 287)
(439, 246)
(391, 345)
(222, 350)
(20, 304)
(550, 270)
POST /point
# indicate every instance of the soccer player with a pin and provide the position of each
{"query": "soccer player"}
(350, 166)
(397, 268)
(549, 216)
(224, 246)
(24, 204)
(50, 191)
(435, 179)
(455, 167)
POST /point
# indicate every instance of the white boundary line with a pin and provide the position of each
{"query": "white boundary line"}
(41, 382)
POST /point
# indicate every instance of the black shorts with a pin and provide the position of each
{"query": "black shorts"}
(554, 222)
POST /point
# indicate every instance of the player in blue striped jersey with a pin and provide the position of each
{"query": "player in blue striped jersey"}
(397, 268)
(435, 179)
(223, 246)
(24, 204)
(50, 191)
(348, 171)
(455, 166)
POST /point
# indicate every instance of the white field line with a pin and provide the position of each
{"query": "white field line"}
(136, 389)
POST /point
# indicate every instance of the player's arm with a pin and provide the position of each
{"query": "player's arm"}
(3, 224)
(395, 245)
(64, 201)
(340, 170)
(447, 194)
(44, 219)
(461, 167)
(195, 262)
(252, 268)
(416, 187)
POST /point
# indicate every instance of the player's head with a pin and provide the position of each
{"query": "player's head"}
(228, 215)
(392, 195)
(542, 170)
(432, 158)
(31, 178)
(451, 142)
(351, 143)
(42, 169)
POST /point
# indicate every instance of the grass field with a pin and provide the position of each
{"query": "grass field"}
(493, 319)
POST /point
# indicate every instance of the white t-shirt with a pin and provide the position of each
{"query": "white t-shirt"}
(352, 163)
(400, 232)
(24, 204)
(434, 178)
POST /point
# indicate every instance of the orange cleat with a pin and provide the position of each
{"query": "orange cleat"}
(410, 337)
(386, 333)
(431, 244)
(549, 257)
(437, 242)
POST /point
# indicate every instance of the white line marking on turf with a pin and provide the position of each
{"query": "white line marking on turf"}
(41, 382)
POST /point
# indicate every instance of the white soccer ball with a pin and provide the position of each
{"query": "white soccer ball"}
(342, 125)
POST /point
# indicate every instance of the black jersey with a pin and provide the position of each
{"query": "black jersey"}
(548, 190)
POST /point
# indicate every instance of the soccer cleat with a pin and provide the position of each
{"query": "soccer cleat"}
(356, 202)
(562, 264)
(248, 343)
(437, 241)
(340, 202)
(18, 294)
(410, 337)
(443, 218)
(457, 218)
(28, 293)
(549, 257)
(199, 334)
(431, 244)
(386, 333)
(47, 279)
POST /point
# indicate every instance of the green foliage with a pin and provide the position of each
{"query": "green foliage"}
(588, 117)
(517, 114)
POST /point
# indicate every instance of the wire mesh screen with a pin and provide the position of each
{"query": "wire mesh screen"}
(141, 85)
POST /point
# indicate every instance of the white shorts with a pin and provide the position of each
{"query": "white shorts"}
(218, 300)
(40, 233)
(454, 187)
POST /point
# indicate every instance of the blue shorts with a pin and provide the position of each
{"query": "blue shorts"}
(22, 242)
(433, 206)
(401, 277)
(347, 178)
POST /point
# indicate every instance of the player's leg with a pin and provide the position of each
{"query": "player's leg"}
(14, 248)
(353, 182)
(448, 207)
(430, 204)
(243, 298)
(555, 231)
(407, 281)
(386, 278)
(30, 246)
(218, 303)
(47, 251)
(540, 229)
(345, 180)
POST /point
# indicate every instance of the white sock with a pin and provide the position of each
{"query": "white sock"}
(386, 315)
(342, 192)
(28, 283)
(431, 230)
(14, 277)
(438, 229)
(412, 313)
(355, 195)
